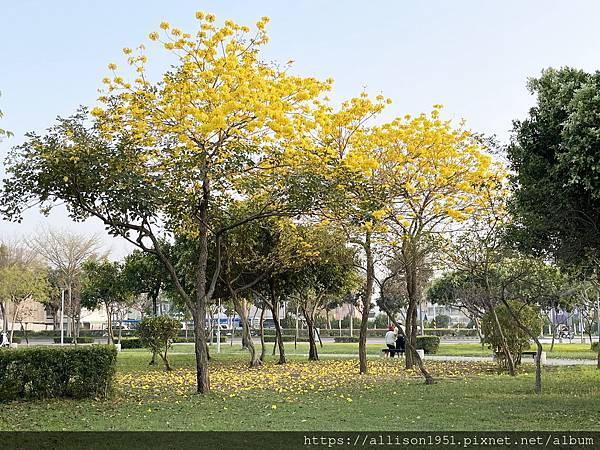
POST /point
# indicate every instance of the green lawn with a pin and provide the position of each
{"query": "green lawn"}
(567, 351)
(326, 395)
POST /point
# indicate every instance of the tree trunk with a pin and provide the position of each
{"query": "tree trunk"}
(120, 328)
(410, 349)
(24, 331)
(4, 317)
(165, 360)
(154, 298)
(109, 330)
(478, 328)
(598, 363)
(202, 375)
(366, 305)
(246, 337)
(278, 334)
(262, 334)
(14, 319)
(539, 348)
(413, 289)
(510, 362)
(313, 354)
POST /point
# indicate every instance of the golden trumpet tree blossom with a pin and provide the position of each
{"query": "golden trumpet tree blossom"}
(438, 175)
(176, 155)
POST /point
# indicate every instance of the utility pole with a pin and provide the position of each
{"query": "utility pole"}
(62, 318)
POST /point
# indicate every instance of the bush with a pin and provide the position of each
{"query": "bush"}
(80, 340)
(128, 343)
(450, 332)
(442, 321)
(157, 334)
(595, 346)
(190, 339)
(345, 339)
(516, 339)
(45, 372)
(271, 339)
(429, 344)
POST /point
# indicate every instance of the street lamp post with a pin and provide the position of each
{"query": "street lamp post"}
(62, 318)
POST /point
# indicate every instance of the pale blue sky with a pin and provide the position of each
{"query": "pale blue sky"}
(472, 56)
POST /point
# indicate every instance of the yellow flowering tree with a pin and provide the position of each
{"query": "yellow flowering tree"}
(436, 175)
(172, 156)
(354, 199)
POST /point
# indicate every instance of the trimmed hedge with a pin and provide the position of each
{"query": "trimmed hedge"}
(345, 339)
(45, 372)
(133, 342)
(428, 343)
(270, 339)
(80, 340)
(190, 340)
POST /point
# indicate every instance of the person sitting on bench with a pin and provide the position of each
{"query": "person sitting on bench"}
(390, 340)
(400, 344)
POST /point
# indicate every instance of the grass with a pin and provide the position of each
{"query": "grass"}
(324, 395)
(562, 351)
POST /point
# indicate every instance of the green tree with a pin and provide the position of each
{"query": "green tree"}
(518, 340)
(169, 157)
(442, 321)
(555, 157)
(145, 275)
(158, 334)
(326, 269)
(381, 321)
(20, 283)
(104, 285)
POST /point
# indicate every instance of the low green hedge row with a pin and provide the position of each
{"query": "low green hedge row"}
(131, 342)
(429, 344)
(45, 372)
(285, 339)
(345, 339)
(190, 339)
(80, 340)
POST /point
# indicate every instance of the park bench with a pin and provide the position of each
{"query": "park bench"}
(386, 352)
(533, 355)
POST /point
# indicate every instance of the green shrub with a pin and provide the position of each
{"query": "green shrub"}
(345, 339)
(80, 340)
(429, 344)
(131, 342)
(450, 332)
(45, 372)
(158, 334)
(595, 346)
(517, 340)
(285, 339)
